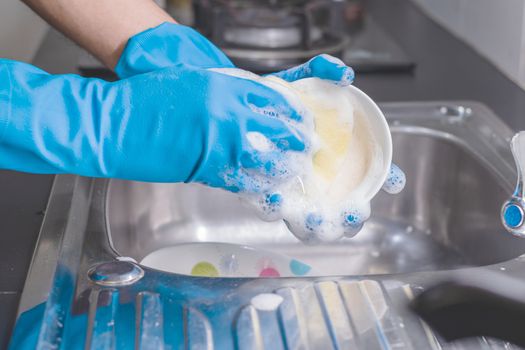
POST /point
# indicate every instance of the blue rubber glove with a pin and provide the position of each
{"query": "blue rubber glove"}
(167, 45)
(175, 124)
(322, 66)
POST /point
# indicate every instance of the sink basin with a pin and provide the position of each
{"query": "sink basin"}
(446, 218)
(459, 170)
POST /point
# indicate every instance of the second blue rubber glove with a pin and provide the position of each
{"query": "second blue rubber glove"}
(170, 44)
(167, 45)
(171, 125)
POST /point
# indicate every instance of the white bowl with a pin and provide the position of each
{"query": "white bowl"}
(209, 259)
(381, 133)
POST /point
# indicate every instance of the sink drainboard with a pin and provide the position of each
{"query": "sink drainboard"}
(93, 295)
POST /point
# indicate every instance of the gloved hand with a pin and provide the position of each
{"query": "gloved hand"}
(175, 124)
(169, 44)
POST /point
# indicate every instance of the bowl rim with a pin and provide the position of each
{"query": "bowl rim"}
(386, 141)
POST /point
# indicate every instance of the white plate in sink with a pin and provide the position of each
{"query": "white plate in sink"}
(210, 259)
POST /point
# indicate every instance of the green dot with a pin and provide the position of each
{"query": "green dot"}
(204, 269)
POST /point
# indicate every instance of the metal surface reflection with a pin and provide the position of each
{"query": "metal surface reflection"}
(459, 169)
(446, 218)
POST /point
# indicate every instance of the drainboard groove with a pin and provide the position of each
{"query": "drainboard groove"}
(371, 316)
(292, 319)
(103, 334)
(316, 326)
(197, 330)
(259, 329)
(369, 333)
(401, 296)
(92, 310)
(395, 318)
(336, 317)
(150, 322)
(248, 330)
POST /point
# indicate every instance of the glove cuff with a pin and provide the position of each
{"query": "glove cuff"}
(6, 90)
(167, 45)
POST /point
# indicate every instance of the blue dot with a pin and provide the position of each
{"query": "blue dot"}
(298, 268)
(274, 199)
(313, 221)
(513, 215)
(352, 219)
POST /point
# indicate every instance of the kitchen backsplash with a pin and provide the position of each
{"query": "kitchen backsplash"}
(496, 29)
(21, 31)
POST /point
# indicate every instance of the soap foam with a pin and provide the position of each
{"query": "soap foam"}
(329, 196)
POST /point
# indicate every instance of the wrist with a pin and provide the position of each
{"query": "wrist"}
(166, 45)
(5, 97)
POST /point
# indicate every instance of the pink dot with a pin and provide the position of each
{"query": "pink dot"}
(269, 272)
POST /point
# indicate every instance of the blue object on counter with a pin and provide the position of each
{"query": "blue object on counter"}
(513, 215)
(171, 125)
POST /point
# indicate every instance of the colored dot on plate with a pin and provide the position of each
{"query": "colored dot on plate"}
(298, 268)
(204, 269)
(269, 272)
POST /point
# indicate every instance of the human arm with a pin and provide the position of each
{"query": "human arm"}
(178, 124)
(101, 27)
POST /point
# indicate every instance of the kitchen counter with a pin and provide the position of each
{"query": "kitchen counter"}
(446, 69)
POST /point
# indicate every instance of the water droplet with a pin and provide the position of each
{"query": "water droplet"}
(428, 231)
(375, 253)
(409, 229)
(502, 268)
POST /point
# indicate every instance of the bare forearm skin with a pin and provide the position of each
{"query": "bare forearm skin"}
(102, 27)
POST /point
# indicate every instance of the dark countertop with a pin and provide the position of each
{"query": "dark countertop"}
(446, 70)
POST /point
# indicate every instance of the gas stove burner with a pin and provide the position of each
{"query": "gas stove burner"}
(270, 38)
(270, 35)
(266, 61)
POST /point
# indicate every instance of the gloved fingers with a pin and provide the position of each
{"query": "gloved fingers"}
(242, 180)
(265, 133)
(274, 164)
(395, 181)
(353, 221)
(267, 101)
(267, 205)
(322, 66)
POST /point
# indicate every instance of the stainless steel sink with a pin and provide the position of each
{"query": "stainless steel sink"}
(459, 170)
(446, 218)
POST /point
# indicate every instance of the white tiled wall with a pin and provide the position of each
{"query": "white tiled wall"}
(495, 28)
(21, 31)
